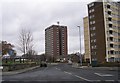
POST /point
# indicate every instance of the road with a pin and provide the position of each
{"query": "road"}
(62, 73)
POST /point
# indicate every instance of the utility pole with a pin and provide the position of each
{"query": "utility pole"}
(80, 46)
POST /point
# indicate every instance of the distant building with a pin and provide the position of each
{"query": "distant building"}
(56, 41)
(87, 40)
(104, 31)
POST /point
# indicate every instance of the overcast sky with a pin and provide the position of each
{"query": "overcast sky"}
(37, 15)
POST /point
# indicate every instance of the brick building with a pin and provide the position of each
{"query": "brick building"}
(56, 41)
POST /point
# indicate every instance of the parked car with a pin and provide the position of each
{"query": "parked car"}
(43, 64)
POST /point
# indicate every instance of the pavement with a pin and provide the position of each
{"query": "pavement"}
(63, 73)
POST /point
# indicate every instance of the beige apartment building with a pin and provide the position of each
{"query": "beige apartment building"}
(87, 39)
(104, 31)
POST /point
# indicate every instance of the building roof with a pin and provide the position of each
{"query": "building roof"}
(53, 26)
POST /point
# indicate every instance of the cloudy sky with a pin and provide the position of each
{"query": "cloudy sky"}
(37, 15)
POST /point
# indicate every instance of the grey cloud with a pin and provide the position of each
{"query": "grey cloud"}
(38, 16)
(0, 21)
(74, 45)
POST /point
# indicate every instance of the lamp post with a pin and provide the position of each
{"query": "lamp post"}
(80, 46)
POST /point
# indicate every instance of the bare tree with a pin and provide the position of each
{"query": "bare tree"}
(32, 52)
(25, 41)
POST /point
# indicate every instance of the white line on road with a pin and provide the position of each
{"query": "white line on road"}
(58, 69)
(110, 80)
(82, 78)
(77, 76)
(95, 80)
(28, 81)
(45, 69)
(1, 80)
(68, 72)
(101, 74)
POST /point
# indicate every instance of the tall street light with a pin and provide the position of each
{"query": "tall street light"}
(80, 46)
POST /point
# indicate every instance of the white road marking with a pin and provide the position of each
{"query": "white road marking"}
(82, 78)
(28, 81)
(101, 74)
(95, 80)
(77, 76)
(68, 72)
(45, 69)
(110, 80)
(9, 80)
(58, 69)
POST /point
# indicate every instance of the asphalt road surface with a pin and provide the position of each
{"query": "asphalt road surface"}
(63, 73)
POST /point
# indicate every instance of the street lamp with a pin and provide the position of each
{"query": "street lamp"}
(80, 46)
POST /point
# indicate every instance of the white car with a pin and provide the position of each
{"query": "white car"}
(1, 67)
